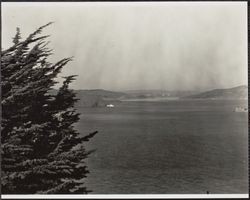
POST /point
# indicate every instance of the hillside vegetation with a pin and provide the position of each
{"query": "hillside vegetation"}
(240, 92)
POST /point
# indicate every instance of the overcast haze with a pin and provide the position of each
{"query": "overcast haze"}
(126, 46)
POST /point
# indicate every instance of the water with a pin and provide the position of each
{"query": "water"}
(167, 147)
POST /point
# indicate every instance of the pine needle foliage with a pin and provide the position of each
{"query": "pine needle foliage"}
(41, 151)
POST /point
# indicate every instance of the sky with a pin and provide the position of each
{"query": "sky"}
(143, 45)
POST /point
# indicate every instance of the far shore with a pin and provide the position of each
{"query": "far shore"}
(157, 99)
(152, 99)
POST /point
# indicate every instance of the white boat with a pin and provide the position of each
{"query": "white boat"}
(110, 106)
(240, 109)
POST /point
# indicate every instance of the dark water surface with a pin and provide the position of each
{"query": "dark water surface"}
(171, 147)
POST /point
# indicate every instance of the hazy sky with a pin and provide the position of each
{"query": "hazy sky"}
(120, 46)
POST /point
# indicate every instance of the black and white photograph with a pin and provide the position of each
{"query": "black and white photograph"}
(124, 98)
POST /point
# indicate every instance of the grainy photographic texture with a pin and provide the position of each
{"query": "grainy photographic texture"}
(164, 85)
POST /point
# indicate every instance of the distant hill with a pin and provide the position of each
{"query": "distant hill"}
(240, 92)
(157, 93)
(100, 97)
(97, 97)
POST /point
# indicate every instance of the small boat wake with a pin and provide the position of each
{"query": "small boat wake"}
(110, 106)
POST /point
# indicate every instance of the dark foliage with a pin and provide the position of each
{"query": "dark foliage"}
(41, 151)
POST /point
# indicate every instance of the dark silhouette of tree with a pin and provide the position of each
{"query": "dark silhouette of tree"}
(41, 151)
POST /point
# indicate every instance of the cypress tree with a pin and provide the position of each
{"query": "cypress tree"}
(41, 151)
